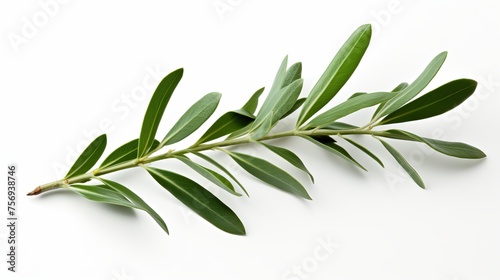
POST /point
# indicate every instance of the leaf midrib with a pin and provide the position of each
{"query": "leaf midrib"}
(187, 122)
(268, 174)
(155, 117)
(428, 104)
(204, 138)
(194, 198)
(348, 105)
(86, 160)
(423, 78)
(302, 120)
(111, 163)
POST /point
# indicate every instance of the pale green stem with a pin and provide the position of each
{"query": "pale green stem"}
(195, 148)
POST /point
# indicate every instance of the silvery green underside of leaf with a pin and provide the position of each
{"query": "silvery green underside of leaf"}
(254, 122)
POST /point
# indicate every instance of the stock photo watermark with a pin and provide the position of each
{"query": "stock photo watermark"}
(31, 25)
(224, 7)
(121, 275)
(323, 250)
(381, 18)
(120, 108)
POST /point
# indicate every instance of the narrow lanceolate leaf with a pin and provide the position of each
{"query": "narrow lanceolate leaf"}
(340, 126)
(274, 95)
(287, 97)
(269, 173)
(226, 124)
(400, 87)
(253, 102)
(434, 103)
(337, 73)
(210, 175)
(126, 152)
(240, 132)
(194, 117)
(289, 156)
(280, 103)
(293, 73)
(136, 200)
(222, 168)
(88, 158)
(364, 150)
(454, 149)
(404, 163)
(294, 108)
(201, 201)
(356, 94)
(414, 88)
(278, 80)
(103, 194)
(264, 128)
(327, 143)
(348, 107)
(155, 110)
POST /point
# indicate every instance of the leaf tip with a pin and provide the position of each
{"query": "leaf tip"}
(180, 70)
(443, 55)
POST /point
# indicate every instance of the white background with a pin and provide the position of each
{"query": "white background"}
(79, 71)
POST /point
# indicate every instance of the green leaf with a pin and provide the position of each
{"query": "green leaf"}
(280, 103)
(348, 107)
(269, 173)
(126, 152)
(327, 143)
(103, 194)
(340, 126)
(264, 128)
(222, 168)
(116, 194)
(278, 81)
(356, 94)
(363, 149)
(400, 87)
(226, 124)
(244, 113)
(155, 110)
(289, 156)
(414, 88)
(210, 175)
(405, 164)
(294, 108)
(293, 73)
(454, 149)
(253, 102)
(193, 118)
(434, 103)
(88, 158)
(240, 132)
(198, 199)
(276, 95)
(287, 99)
(338, 72)
(136, 200)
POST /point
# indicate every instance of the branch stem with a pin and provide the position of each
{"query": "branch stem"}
(195, 148)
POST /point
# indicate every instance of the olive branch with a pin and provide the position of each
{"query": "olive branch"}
(247, 125)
